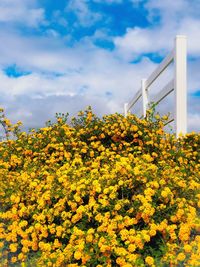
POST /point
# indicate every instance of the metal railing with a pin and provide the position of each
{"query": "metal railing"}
(178, 84)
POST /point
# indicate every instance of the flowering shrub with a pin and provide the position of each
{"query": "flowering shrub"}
(99, 192)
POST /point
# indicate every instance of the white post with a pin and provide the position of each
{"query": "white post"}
(125, 109)
(144, 97)
(180, 84)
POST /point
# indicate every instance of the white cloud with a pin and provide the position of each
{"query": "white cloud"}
(86, 17)
(170, 11)
(21, 11)
(194, 122)
(102, 73)
(138, 41)
(88, 73)
(169, 18)
(193, 75)
(36, 54)
(191, 28)
(137, 2)
(34, 112)
(59, 19)
(159, 40)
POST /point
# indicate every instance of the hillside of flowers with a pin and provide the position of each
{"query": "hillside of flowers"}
(99, 192)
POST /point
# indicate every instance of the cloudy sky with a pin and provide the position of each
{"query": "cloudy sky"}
(61, 56)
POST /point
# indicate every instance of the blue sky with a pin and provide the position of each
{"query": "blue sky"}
(60, 56)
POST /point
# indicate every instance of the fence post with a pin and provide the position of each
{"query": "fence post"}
(180, 84)
(144, 97)
(125, 109)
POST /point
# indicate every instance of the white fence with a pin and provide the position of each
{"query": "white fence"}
(178, 84)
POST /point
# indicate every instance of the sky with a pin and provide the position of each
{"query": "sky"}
(61, 56)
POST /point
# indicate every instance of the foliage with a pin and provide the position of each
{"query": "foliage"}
(98, 192)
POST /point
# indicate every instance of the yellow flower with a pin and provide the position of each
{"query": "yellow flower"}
(120, 251)
(147, 157)
(164, 194)
(149, 260)
(117, 207)
(21, 256)
(152, 232)
(91, 231)
(131, 248)
(84, 150)
(136, 170)
(134, 128)
(187, 248)
(13, 247)
(92, 154)
(13, 259)
(181, 256)
(15, 199)
(89, 238)
(146, 237)
(77, 255)
(120, 261)
(7, 122)
(127, 265)
(120, 183)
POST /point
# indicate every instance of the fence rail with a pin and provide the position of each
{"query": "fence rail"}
(178, 84)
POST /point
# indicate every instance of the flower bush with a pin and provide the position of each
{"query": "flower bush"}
(98, 192)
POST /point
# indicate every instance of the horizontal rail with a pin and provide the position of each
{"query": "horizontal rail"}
(168, 88)
(161, 67)
(135, 99)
